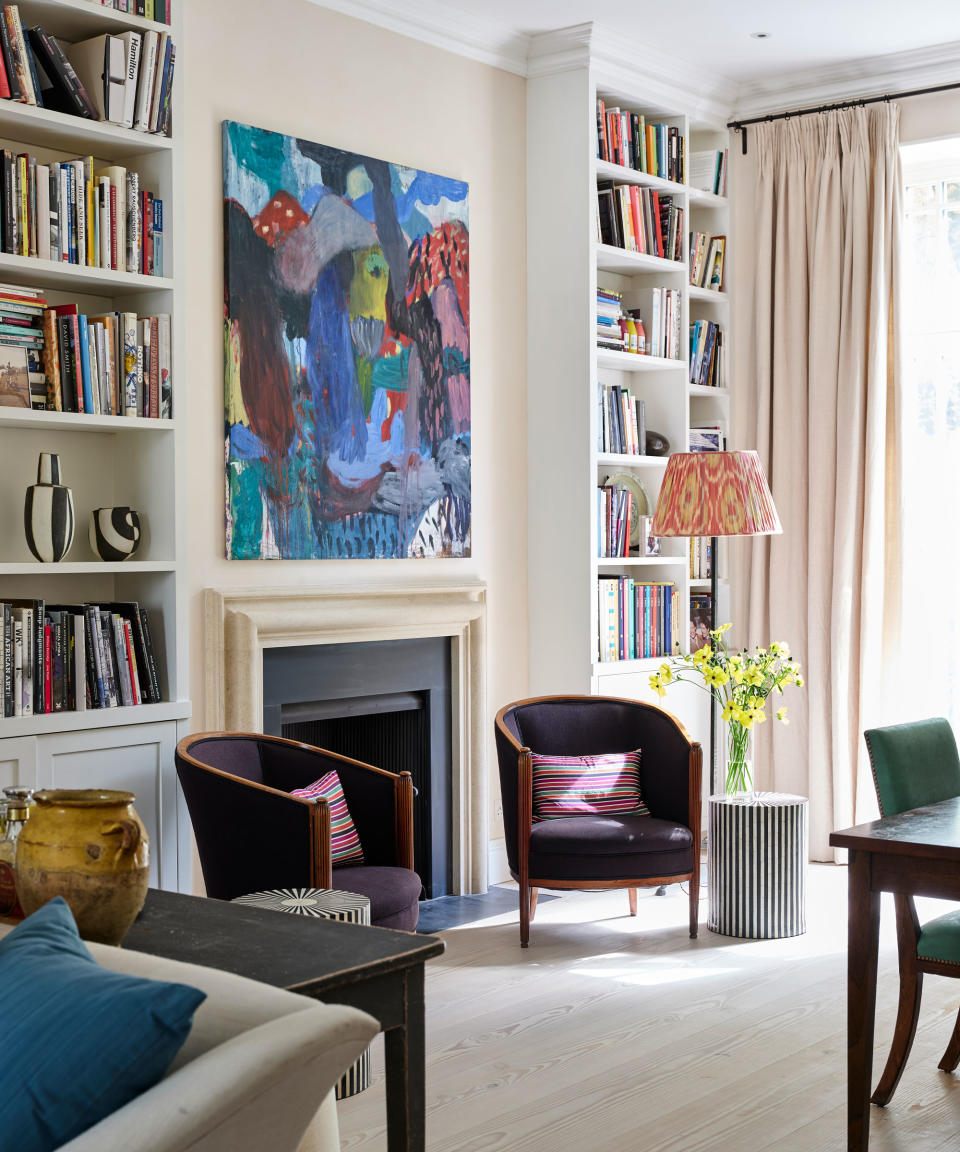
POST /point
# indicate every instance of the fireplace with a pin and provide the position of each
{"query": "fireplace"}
(387, 703)
(245, 630)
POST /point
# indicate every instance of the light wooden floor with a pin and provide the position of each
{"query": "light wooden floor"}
(611, 1033)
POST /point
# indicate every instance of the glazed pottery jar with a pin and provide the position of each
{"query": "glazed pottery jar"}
(48, 518)
(90, 847)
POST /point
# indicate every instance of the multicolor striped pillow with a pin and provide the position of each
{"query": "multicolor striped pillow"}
(344, 841)
(587, 785)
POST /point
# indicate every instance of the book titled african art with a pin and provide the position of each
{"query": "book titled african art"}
(347, 353)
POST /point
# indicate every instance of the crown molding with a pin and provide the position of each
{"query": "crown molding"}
(436, 23)
(851, 80)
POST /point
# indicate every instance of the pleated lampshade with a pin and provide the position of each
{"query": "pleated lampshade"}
(715, 494)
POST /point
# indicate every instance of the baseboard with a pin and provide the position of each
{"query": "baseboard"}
(498, 870)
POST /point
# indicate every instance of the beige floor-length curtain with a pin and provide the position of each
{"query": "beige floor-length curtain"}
(815, 392)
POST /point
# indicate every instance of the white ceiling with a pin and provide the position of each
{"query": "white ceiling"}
(716, 33)
(816, 49)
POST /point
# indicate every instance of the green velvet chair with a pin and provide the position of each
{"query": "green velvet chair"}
(914, 765)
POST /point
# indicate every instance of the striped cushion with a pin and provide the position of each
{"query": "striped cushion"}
(344, 841)
(587, 785)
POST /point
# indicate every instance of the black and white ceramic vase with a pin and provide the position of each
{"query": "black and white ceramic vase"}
(48, 519)
(114, 533)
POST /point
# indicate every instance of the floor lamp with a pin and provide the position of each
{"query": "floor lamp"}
(714, 494)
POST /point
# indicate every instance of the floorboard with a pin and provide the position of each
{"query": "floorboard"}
(618, 1034)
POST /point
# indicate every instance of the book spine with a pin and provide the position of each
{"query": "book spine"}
(11, 17)
(48, 705)
(151, 656)
(9, 65)
(86, 378)
(114, 228)
(134, 222)
(128, 326)
(95, 657)
(154, 406)
(157, 236)
(131, 657)
(107, 655)
(165, 367)
(78, 186)
(120, 653)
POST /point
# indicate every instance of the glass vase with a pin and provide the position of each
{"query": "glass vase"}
(739, 760)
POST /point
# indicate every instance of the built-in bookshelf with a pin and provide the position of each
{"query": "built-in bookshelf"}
(111, 454)
(610, 258)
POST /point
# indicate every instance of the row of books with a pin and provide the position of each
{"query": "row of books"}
(58, 359)
(159, 10)
(71, 657)
(708, 171)
(637, 619)
(706, 260)
(639, 220)
(609, 313)
(701, 557)
(72, 213)
(614, 510)
(707, 359)
(625, 138)
(126, 79)
(663, 331)
(623, 422)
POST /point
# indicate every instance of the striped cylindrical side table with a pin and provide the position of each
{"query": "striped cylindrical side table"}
(330, 904)
(757, 865)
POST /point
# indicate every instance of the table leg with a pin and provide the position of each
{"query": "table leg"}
(863, 933)
(405, 1053)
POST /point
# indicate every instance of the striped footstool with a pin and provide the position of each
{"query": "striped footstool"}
(330, 904)
(757, 865)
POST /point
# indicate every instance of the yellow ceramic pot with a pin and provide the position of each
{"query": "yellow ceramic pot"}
(90, 847)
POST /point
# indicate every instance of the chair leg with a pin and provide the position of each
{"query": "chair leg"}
(632, 893)
(908, 1011)
(951, 1058)
(694, 897)
(534, 893)
(524, 914)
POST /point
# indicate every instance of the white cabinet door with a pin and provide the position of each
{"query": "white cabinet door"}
(18, 762)
(138, 759)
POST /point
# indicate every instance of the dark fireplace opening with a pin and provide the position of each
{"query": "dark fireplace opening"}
(386, 703)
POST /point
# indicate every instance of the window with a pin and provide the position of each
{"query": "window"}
(931, 430)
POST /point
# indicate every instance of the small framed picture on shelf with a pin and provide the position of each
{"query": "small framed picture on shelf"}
(14, 377)
(649, 544)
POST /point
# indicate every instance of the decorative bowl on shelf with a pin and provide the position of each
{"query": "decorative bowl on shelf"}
(114, 533)
(657, 444)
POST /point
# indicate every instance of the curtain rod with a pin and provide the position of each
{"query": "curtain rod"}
(741, 125)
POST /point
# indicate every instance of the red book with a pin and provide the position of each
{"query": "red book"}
(4, 82)
(113, 226)
(132, 660)
(144, 256)
(657, 230)
(48, 667)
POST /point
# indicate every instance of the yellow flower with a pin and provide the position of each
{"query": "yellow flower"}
(782, 716)
(736, 673)
(758, 715)
(798, 680)
(720, 631)
(657, 685)
(714, 676)
(754, 677)
(702, 654)
(742, 716)
(728, 712)
(781, 649)
(666, 673)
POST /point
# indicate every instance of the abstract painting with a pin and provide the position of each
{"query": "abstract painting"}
(347, 352)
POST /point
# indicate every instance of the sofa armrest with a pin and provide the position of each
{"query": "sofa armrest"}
(259, 1090)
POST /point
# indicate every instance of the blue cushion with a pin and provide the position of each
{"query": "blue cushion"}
(78, 1041)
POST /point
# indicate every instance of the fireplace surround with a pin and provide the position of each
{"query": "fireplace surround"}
(241, 623)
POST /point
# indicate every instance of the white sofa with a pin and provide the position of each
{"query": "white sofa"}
(256, 1073)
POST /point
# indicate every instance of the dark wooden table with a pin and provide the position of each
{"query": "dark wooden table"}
(916, 853)
(375, 969)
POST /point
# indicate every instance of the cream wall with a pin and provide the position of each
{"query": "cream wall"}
(293, 67)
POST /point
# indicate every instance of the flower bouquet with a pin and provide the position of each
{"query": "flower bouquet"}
(740, 682)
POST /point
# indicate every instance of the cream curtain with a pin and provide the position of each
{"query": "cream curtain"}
(815, 392)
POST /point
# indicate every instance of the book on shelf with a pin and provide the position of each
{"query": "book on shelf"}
(627, 139)
(622, 421)
(707, 358)
(71, 657)
(708, 171)
(107, 364)
(68, 212)
(706, 260)
(639, 220)
(701, 620)
(123, 78)
(701, 557)
(159, 10)
(637, 619)
(663, 331)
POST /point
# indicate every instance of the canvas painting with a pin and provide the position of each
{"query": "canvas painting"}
(347, 352)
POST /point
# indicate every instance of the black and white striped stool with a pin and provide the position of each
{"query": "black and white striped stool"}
(330, 904)
(757, 865)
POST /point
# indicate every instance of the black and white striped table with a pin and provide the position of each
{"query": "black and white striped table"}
(330, 904)
(757, 865)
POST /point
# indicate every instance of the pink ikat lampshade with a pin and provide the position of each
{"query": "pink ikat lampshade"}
(715, 494)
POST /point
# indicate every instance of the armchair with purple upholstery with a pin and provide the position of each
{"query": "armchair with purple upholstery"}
(253, 836)
(600, 851)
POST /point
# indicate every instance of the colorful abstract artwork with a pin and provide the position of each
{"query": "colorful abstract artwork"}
(347, 351)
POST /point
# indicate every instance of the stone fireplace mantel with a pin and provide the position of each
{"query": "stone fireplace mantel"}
(241, 622)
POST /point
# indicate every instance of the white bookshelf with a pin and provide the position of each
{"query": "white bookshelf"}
(565, 264)
(106, 460)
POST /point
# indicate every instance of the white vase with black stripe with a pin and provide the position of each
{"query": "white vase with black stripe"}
(114, 533)
(48, 518)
